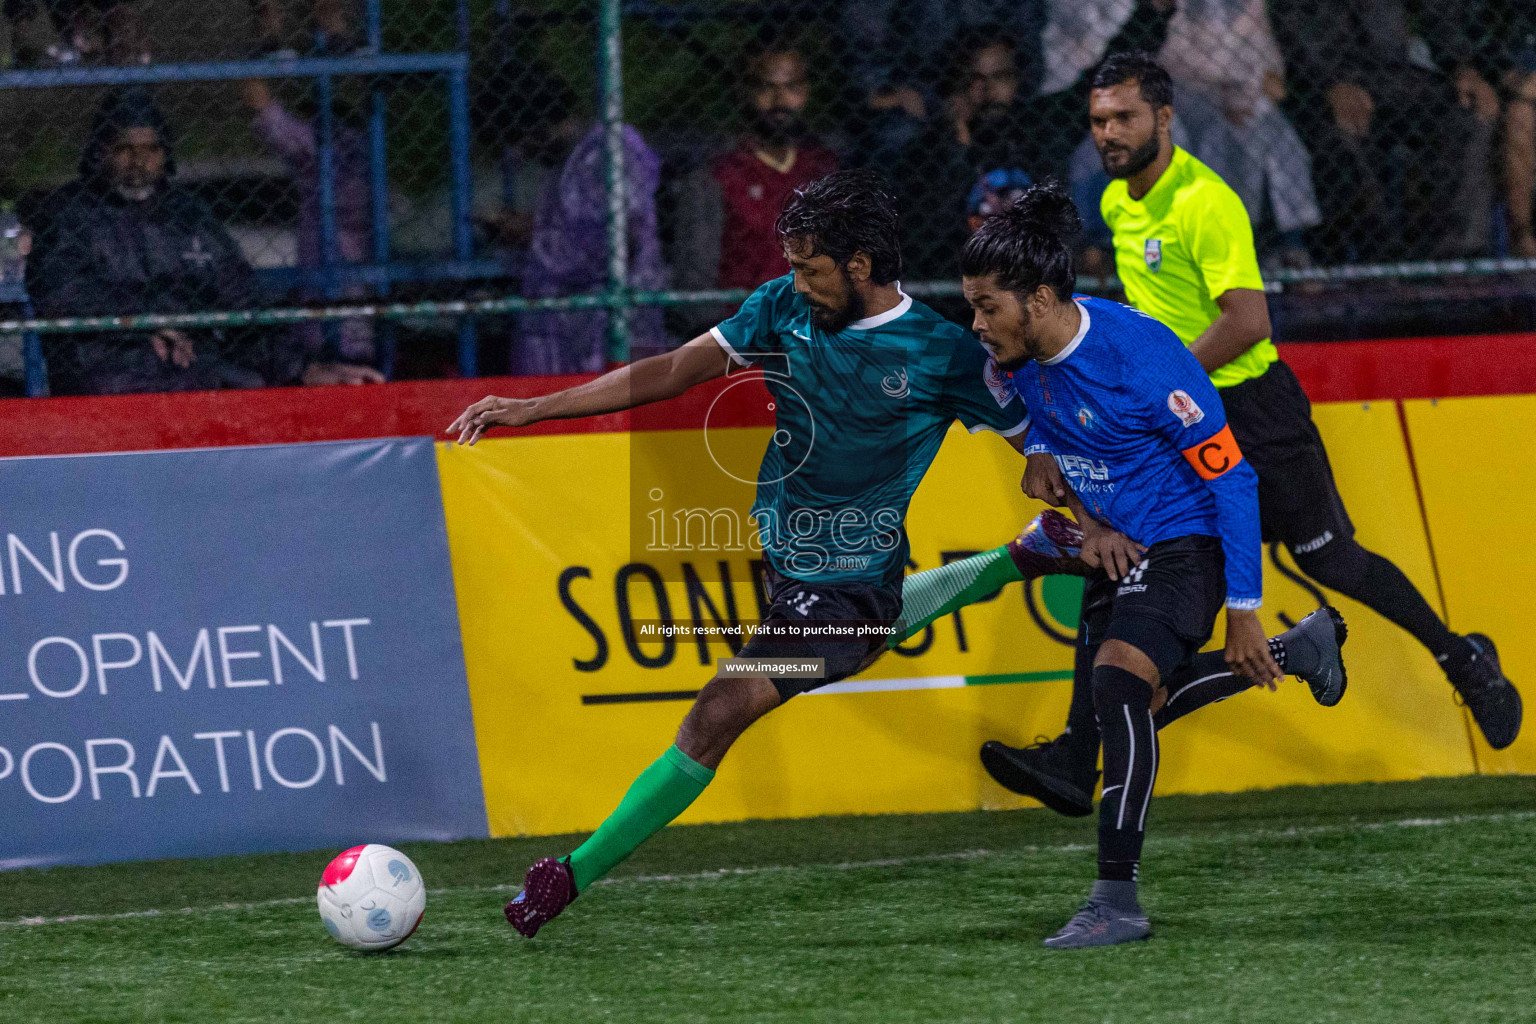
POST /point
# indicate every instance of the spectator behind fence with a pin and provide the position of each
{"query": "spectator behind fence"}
(1510, 56)
(994, 193)
(985, 127)
(991, 123)
(1078, 35)
(512, 154)
(125, 239)
(725, 232)
(568, 246)
(898, 61)
(295, 141)
(1400, 124)
(327, 22)
(59, 33)
(1229, 76)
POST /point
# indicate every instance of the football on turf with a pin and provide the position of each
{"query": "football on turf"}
(371, 897)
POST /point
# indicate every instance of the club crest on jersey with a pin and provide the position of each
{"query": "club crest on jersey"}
(1153, 254)
(1000, 386)
(1086, 419)
(895, 384)
(1184, 407)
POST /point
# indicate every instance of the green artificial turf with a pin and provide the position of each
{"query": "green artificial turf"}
(1401, 903)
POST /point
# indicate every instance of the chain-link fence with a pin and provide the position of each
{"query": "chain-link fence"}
(224, 194)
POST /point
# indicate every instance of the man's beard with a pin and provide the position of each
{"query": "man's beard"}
(993, 125)
(834, 321)
(1029, 350)
(779, 127)
(1016, 364)
(1139, 159)
(134, 192)
(992, 115)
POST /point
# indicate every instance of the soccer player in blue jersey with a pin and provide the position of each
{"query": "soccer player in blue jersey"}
(1139, 432)
(866, 382)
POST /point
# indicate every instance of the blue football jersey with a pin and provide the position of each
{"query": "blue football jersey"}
(1140, 433)
(860, 415)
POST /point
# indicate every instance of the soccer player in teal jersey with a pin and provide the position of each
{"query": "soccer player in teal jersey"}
(866, 382)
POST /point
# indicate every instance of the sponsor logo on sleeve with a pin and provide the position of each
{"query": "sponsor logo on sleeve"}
(1184, 407)
(1000, 386)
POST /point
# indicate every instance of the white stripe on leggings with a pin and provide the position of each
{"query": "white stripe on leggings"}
(1152, 731)
(1129, 765)
(1197, 682)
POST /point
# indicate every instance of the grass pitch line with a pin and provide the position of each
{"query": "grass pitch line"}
(719, 874)
(891, 862)
(128, 915)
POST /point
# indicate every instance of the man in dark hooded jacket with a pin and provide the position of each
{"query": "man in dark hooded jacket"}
(995, 121)
(124, 239)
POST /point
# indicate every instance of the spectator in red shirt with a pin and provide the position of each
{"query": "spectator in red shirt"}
(725, 235)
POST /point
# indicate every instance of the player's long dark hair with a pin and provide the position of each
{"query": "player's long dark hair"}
(1029, 244)
(844, 213)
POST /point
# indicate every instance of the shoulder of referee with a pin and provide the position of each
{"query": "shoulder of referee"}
(1215, 227)
(1204, 194)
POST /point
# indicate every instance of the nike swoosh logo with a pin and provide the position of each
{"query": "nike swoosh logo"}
(802, 337)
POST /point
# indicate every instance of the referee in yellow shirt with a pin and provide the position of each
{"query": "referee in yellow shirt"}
(1185, 253)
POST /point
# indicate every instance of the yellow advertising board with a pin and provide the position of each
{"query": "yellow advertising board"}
(1398, 719)
(565, 547)
(1477, 476)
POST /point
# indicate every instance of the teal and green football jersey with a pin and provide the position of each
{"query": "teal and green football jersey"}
(860, 415)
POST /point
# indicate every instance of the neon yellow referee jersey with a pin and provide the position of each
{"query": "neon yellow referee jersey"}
(1180, 247)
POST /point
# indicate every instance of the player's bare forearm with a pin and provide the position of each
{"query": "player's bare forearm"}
(654, 379)
(1043, 481)
(1104, 547)
(1080, 512)
(1243, 323)
(1248, 649)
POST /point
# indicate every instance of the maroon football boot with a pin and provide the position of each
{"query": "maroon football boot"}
(548, 888)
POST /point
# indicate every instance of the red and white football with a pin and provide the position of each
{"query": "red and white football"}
(371, 897)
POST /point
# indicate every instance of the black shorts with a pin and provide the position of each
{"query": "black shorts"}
(1271, 420)
(792, 600)
(1165, 607)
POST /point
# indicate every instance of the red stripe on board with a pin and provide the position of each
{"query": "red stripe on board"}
(212, 419)
(1355, 371)
(1365, 371)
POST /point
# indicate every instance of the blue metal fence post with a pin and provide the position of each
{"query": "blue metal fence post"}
(326, 158)
(461, 25)
(509, 156)
(36, 367)
(378, 179)
(610, 47)
(463, 239)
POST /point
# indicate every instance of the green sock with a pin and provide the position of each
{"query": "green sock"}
(934, 593)
(662, 792)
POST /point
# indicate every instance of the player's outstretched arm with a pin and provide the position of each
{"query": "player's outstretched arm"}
(653, 379)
